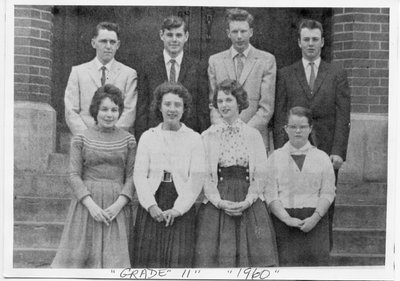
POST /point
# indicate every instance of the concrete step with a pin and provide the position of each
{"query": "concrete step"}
(40, 209)
(33, 257)
(41, 185)
(360, 216)
(42, 235)
(340, 259)
(58, 163)
(366, 193)
(359, 241)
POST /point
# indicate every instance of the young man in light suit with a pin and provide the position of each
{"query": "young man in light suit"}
(254, 69)
(186, 70)
(86, 78)
(322, 87)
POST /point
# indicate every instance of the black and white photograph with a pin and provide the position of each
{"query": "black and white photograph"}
(247, 140)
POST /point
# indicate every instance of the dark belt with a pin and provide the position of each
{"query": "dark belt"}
(233, 172)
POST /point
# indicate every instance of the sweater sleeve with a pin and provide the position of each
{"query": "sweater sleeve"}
(128, 188)
(75, 168)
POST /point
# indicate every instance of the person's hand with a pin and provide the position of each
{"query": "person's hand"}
(226, 204)
(156, 213)
(337, 161)
(310, 223)
(113, 210)
(170, 216)
(97, 213)
(293, 222)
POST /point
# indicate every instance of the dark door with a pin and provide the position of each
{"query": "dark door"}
(275, 31)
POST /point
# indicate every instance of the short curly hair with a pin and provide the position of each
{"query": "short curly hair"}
(173, 88)
(106, 91)
(234, 88)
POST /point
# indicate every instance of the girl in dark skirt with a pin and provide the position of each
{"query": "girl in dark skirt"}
(233, 225)
(168, 176)
(300, 188)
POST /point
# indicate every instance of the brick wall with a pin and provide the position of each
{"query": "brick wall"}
(33, 54)
(361, 45)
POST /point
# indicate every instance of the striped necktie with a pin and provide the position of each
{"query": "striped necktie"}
(172, 72)
(312, 76)
(239, 65)
(103, 75)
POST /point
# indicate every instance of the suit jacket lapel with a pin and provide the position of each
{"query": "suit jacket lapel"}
(184, 68)
(114, 71)
(160, 68)
(301, 77)
(229, 65)
(322, 72)
(248, 65)
(94, 74)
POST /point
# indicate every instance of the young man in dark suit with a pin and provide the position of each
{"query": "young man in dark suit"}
(321, 87)
(175, 66)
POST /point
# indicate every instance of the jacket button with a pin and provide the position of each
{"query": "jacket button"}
(219, 170)
(247, 178)
(221, 178)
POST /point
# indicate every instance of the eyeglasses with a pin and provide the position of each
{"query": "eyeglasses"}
(295, 128)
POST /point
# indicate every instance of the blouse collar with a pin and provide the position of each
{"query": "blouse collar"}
(298, 151)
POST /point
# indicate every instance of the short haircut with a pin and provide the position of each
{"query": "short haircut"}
(108, 26)
(173, 88)
(106, 91)
(301, 112)
(234, 88)
(173, 22)
(238, 15)
(310, 24)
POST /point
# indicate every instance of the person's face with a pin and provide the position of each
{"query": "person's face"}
(174, 40)
(240, 33)
(311, 43)
(106, 44)
(172, 108)
(298, 130)
(227, 106)
(108, 114)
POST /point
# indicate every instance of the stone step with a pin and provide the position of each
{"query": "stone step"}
(33, 257)
(41, 185)
(357, 241)
(58, 163)
(42, 235)
(366, 193)
(340, 259)
(40, 209)
(360, 216)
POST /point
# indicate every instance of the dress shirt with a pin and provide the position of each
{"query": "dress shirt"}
(178, 63)
(295, 188)
(99, 65)
(245, 55)
(307, 67)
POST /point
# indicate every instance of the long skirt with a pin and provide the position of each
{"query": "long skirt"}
(297, 248)
(86, 243)
(244, 241)
(158, 246)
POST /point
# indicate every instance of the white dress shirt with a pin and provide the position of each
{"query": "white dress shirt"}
(99, 65)
(178, 63)
(307, 67)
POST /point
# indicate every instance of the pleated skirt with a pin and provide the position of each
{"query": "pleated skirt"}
(297, 248)
(158, 246)
(86, 243)
(244, 241)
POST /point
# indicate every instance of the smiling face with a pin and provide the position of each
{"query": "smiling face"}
(298, 130)
(311, 43)
(228, 107)
(240, 33)
(108, 114)
(174, 40)
(106, 44)
(172, 108)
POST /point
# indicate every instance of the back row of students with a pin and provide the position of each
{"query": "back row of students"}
(169, 168)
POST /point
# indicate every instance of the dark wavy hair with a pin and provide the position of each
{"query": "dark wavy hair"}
(234, 88)
(110, 26)
(106, 91)
(173, 88)
(236, 14)
(173, 22)
(301, 112)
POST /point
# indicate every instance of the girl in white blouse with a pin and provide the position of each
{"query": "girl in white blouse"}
(234, 228)
(168, 176)
(300, 188)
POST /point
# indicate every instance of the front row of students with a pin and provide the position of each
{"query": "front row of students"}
(256, 211)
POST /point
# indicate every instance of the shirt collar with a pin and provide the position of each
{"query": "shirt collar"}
(182, 129)
(167, 58)
(99, 65)
(298, 151)
(245, 52)
(316, 62)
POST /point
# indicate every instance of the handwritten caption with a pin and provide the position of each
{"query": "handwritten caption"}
(249, 273)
